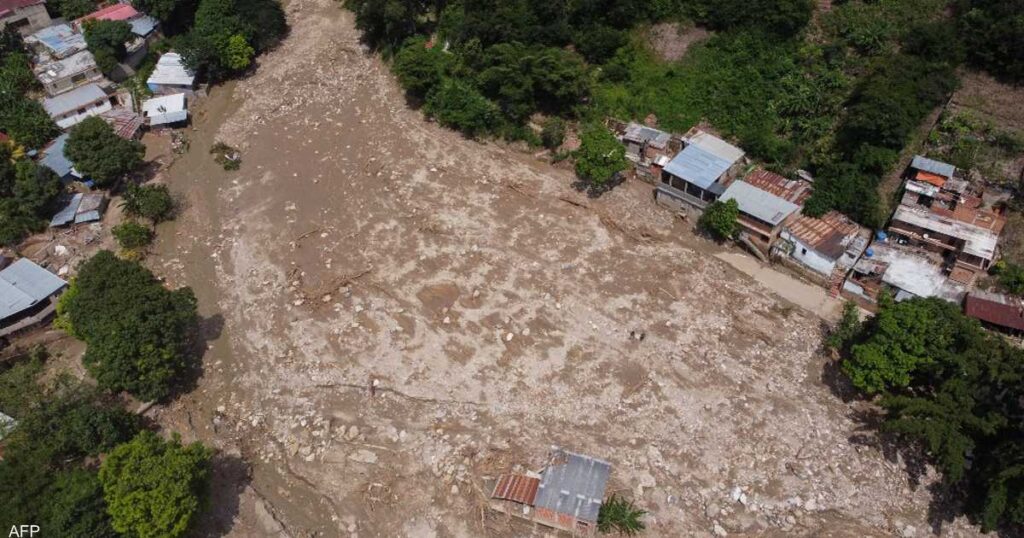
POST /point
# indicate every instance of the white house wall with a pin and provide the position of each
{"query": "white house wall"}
(68, 121)
(809, 257)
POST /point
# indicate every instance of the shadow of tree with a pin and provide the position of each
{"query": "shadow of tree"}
(208, 329)
(229, 477)
(595, 190)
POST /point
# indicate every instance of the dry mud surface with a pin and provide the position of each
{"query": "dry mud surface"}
(493, 306)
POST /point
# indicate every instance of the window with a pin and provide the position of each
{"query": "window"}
(78, 78)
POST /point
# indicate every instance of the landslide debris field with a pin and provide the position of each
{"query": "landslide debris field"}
(492, 306)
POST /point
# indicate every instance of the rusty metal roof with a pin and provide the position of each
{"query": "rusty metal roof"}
(996, 309)
(517, 488)
(790, 190)
(829, 234)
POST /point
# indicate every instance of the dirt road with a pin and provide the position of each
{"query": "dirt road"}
(491, 307)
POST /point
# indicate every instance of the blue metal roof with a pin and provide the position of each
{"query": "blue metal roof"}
(143, 26)
(60, 39)
(698, 166)
(935, 167)
(54, 159)
(573, 484)
(67, 214)
(23, 284)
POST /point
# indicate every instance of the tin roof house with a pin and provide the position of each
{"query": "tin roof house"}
(766, 201)
(165, 110)
(52, 157)
(700, 173)
(58, 41)
(27, 295)
(68, 109)
(171, 76)
(996, 311)
(80, 208)
(827, 246)
(65, 74)
(567, 494)
(649, 149)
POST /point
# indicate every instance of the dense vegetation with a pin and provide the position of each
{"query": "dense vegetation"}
(952, 389)
(153, 202)
(27, 195)
(155, 487)
(839, 96)
(720, 219)
(106, 41)
(101, 155)
(23, 119)
(51, 452)
(139, 333)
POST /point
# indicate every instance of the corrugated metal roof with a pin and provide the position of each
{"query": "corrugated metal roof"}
(67, 214)
(114, 12)
(760, 204)
(930, 165)
(74, 99)
(716, 146)
(996, 309)
(24, 284)
(829, 235)
(697, 166)
(792, 190)
(143, 25)
(573, 484)
(643, 134)
(517, 488)
(126, 123)
(977, 241)
(54, 159)
(170, 70)
(59, 39)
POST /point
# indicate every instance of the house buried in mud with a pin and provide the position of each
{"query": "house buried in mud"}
(566, 495)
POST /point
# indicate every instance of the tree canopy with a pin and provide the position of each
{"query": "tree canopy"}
(600, 156)
(106, 41)
(155, 487)
(27, 196)
(153, 202)
(956, 390)
(227, 34)
(139, 333)
(23, 119)
(100, 154)
(720, 219)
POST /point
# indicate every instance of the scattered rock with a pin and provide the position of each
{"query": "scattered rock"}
(363, 456)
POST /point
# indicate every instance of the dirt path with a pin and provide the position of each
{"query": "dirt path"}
(492, 306)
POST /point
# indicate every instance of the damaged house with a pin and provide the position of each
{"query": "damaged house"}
(826, 246)
(567, 494)
(649, 149)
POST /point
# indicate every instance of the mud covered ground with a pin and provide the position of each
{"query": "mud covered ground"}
(491, 306)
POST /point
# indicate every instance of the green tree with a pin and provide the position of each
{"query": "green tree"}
(386, 24)
(73, 9)
(458, 105)
(175, 16)
(621, 516)
(847, 329)
(22, 118)
(153, 487)
(600, 156)
(153, 202)
(419, 68)
(132, 235)
(139, 334)
(783, 17)
(100, 154)
(720, 219)
(237, 53)
(75, 508)
(27, 196)
(994, 34)
(552, 133)
(107, 42)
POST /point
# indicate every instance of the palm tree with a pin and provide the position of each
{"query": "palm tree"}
(620, 515)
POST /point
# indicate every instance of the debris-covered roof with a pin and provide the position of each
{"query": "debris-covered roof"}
(517, 488)
(977, 241)
(940, 168)
(170, 70)
(758, 203)
(914, 273)
(79, 62)
(996, 309)
(649, 135)
(126, 123)
(60, 40)
(74, 99)
(830, 235)
(165, 109)
(573, 484)
(24, 284)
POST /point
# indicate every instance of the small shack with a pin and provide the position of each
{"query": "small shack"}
(165, 111)
(81, 208)
(996, 311)
(27, 296)
(171, 76)
(53, 157)
(567, 494)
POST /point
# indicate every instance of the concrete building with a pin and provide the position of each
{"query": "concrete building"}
(27, 296)
(65, 74)
(165, 110)
(827, 246)
(567, 494)
(68, 109)
(25, 16)
(700, 173)
(766, 201)
(56, 42)
(906, 272)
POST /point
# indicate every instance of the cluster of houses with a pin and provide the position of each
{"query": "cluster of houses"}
(943, 235)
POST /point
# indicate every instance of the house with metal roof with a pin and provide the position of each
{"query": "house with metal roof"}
(996, 311)
(52, 156)
(766, 201)
(165, 110)
(80, 208)
(58, 41)
(125, 122)
(931, 171)
(171, 76)
(826, 246)
(649, 149)
(700, 173)
(567, 494)
(68, 109)
(25, 16)
(65, 74)
(27, 295)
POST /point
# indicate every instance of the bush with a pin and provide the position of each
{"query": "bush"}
(552, 134)
(621, 516)
(132, 235)
(155, 487)
(106, 41)
(600, 156)
(720, 219)
(139, 334)
(458, 105)
(226, 156)
(153, 202)
(420, 69)
(27, 195)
